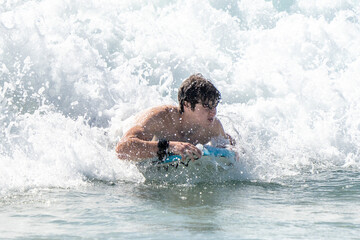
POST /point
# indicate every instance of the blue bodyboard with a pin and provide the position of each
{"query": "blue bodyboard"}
(207, 151)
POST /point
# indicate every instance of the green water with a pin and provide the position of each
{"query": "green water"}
(316, 206)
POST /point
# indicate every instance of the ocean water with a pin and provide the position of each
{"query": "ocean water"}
(73, 74)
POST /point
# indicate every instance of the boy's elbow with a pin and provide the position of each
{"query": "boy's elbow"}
(125, 149)
(121, 150)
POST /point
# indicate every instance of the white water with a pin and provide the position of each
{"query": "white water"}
(74, 73)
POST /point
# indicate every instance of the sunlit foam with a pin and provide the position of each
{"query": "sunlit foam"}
(288, 72)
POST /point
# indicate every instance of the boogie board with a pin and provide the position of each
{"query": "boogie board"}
(213, 160)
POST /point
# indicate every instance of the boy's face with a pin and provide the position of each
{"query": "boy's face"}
(203, 115)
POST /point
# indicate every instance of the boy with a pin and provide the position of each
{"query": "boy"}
(171, 129)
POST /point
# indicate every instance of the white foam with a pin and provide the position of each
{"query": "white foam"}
(47, 149)
(287, 72)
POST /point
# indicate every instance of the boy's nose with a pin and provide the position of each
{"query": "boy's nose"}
(212, 112)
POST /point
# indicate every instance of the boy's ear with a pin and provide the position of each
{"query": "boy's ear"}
(187, 104)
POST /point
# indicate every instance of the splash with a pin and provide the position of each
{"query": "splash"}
(74, 73)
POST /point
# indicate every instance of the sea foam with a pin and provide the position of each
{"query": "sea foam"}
(73, 74)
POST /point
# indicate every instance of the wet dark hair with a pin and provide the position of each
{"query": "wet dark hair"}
(197, 89)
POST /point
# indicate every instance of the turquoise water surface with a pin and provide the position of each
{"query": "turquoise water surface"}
(324, 206)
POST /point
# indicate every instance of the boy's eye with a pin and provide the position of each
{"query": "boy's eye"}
(208, 106)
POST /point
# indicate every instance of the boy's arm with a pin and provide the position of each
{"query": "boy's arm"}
(138, 144)
(133, 147)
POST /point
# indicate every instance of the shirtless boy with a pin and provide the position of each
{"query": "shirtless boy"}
(171, 129)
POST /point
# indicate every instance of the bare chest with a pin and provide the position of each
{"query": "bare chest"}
(193, 136)
(176, 131)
